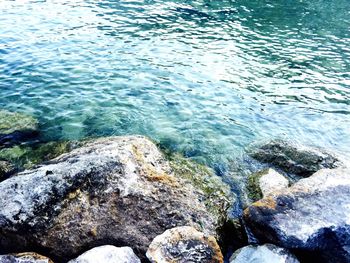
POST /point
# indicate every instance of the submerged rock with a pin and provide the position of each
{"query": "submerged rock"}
(28, 155)
(16, 126)
(267, 253)
(311, 217)
(294, 158)
(28, 257)
(118, 191)
(107, 254)
(6, 168)
(184, 244)
(264, 183)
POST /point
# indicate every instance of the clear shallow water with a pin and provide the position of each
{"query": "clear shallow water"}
(205, 78)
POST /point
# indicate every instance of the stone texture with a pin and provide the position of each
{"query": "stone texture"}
(118, 191)
(267, 253)
(272, 181)
(16, 126)
(107, 254)
(294, 158)
(28, 257)
(184, 244)
(311, 217)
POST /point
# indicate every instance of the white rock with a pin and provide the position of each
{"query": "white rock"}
(272, 181)
(108, 254)
(263, 254)
(26, 257)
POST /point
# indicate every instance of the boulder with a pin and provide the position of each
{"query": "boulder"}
(294, 158)
(311, 217)
(28, 257)
(264, 183)
(16, 126)
(120, 191)
(107, 254)
(267, 253)
(184, 244)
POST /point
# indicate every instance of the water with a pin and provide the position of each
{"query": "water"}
(205, 78)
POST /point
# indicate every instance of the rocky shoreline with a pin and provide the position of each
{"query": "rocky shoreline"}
(122, 199)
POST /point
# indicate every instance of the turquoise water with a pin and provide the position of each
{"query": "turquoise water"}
(205, 78)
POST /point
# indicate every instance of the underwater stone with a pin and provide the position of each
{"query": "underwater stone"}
(184, 244)
(16, 127)
(6, 168)
(118, 190)
(294, 158)
(107, 254)
(27, 156)
(311, 217)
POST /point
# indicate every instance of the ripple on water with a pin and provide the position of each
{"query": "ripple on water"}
(203, 77)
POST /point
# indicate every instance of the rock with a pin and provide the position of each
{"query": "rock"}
(267, 253)
(264, 183)
(202, 178)
(272, 181)
(108, 254)
(184, 244)
(293, 158)
(311, 217)
(28, 257)
(118, 191)
(16, 126)
(6, 168)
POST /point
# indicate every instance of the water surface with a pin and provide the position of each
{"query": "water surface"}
(205, 78)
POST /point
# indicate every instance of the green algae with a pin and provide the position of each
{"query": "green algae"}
(11, 122)
(205, 180)
(27, 156)
(5, 169)
(254, 191)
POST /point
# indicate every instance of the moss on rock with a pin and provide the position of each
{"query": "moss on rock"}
(16, 128)
(26, 156)
(6, 168)
(218, 197)
(254, 191)
(11, 122)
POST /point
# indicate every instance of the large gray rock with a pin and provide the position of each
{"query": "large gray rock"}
(267, 253)
(107, 254)
(294, 158)
(16, 126)
(118, 191)
(312, 217)
(28, 257)
(184, 244)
